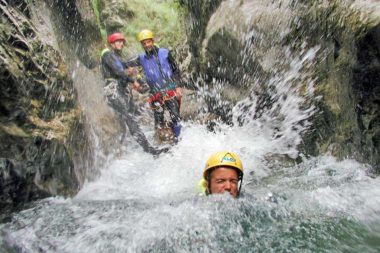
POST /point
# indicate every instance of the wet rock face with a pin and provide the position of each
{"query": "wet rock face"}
(75, 22)
(34, 169)
(348, 81)
(115, 15)
(238, 44)
(199, 15)
(39, 115)
(366, 84)
(14, 184)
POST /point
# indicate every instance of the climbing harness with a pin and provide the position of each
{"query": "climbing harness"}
(158, 100)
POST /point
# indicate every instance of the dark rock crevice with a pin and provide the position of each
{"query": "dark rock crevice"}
(39, 116)
(199, 15)
(366, 85)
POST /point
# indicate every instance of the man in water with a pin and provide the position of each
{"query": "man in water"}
(222, 173)
(117, 92)
(163, 77)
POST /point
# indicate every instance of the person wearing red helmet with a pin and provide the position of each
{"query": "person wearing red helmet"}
(113, 67)
(115, 37)
(118, 93)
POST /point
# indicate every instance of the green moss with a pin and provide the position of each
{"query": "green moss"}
(14, 130)
(96, 7)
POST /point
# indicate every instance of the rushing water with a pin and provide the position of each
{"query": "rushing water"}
(145, 204)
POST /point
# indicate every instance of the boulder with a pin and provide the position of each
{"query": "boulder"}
(240, 47)
(43, 142)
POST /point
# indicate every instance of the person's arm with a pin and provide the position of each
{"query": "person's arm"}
(139, 84)
(133, 62)
(116, 67)
(176, 72)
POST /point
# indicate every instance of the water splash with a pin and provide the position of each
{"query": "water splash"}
(141, 203)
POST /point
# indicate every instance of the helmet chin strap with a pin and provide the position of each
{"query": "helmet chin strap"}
(241, 183)
(208, 186)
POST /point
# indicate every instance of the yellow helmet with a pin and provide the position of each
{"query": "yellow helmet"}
(145, 34)
(223, 158)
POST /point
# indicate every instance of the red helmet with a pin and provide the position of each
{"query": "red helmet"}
(115, 36)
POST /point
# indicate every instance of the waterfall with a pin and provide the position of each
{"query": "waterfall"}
(141, 203)
(292, 201)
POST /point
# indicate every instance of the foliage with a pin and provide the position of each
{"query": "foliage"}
(162, 17)
(96, 7)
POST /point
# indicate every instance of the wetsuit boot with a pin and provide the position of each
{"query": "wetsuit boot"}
(176, 127)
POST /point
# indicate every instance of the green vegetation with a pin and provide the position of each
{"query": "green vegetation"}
(96, 7)
(160, 16)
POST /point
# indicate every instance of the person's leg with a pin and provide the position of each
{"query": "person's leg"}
(118, 101)
(135, 129)
(139, 136)
(115, 101)
(131, 106)
(173, 108)
(158, 114)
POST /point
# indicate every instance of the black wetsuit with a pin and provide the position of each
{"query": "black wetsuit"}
(119, 97)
